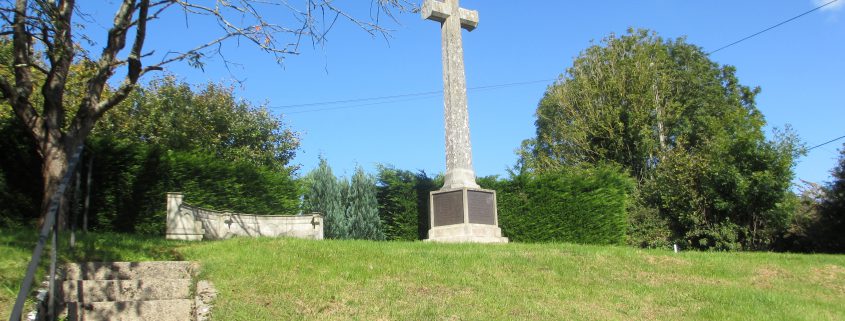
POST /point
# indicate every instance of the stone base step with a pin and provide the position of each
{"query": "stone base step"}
(129, 270)
(126, 290)
(468, 239)
(466, 233)
(158, 310)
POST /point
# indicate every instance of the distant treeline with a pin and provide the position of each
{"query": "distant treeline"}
(643, 141)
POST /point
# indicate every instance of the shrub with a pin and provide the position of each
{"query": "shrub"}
(362, 208)
(326, 196)
(131, 180)
(579, 204)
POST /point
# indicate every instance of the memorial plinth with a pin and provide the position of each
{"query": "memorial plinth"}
(464, 215)
(460, 210)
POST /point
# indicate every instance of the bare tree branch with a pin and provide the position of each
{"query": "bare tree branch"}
(46, 40)
(134, 63)
(115, 40)
(61, 55)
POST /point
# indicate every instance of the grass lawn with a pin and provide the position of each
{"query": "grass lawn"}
(286, 279)
(289, 279)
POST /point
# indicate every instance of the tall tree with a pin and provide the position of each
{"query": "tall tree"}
(682, 125)
(174, 116)
(326, 196)
(362, 208)
(831, 224)
(45, 45)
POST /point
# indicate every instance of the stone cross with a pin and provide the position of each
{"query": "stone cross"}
(452, 17)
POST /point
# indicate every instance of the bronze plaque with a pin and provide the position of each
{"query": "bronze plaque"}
(448, 208)
(482, 207)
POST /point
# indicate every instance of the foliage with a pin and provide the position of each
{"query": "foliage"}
(131, 181)
(47, 57)
(170, 114)
(223, 153)
(680, 124)
(20, 182)
(831, 223)
(325, 196)
(581, 205)
(403, 198)
(646, 228)
(362, 208)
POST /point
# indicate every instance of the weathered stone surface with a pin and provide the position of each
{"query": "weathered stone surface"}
(157, 310)
(471, 217)
(129, 270)
(459, 171)
(129, 291)
(186, 222)
(466, 233)
(206, 293)
(181, 226)
(126, 290)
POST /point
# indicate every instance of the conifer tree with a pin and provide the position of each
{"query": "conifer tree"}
(362, 208)
(326, 197)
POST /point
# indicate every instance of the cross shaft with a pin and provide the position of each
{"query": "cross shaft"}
(459, 171)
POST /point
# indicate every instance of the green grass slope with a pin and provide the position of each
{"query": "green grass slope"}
(290, 279)
(286, 279)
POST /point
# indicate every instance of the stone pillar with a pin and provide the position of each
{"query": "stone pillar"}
(181, 225)
(460, 210)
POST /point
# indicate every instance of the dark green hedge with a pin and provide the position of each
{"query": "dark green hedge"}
(131, 182)
(403, 202)
(579, 205)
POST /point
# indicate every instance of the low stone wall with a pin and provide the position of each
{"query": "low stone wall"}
(186, 222)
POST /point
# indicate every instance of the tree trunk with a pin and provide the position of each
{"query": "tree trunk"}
(87, 194)
(53, 168)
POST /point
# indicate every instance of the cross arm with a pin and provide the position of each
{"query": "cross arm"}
(440, 11)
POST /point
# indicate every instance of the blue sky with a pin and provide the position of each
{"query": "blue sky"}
(799, 66)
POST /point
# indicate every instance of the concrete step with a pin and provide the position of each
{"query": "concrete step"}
(126, 290)
(158, 310)
(129, 270)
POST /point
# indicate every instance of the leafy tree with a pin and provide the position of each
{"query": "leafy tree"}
(831, 223)
(44, 49)
(799, 236)
(362, 208)
(325, 196)
(222, 153)
(172, 115)
(680, 124)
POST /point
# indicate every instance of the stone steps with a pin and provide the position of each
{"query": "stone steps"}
(126, 290)
(159, 310)
(129, 290)
(129, 270)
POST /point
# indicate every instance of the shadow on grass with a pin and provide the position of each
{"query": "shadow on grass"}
(98, 247)
(16, 247)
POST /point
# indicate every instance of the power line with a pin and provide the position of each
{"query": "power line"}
(825, 143)
(413, 96)
(334, 102)
(772, 27)
(429, 94)
(358, 105)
